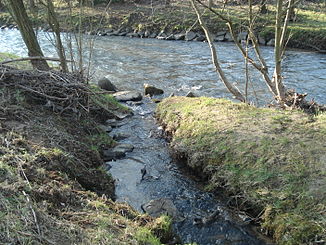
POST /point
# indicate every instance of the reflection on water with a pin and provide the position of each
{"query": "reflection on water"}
(178, 66)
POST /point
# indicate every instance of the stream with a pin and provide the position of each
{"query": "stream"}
(178, 67)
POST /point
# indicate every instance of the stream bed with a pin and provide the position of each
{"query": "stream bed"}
(198, 215)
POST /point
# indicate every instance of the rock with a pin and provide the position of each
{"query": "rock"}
(116, 33)
(228, 37)
(147, 34)
(161, 36)
(132, 34)
(153, 35)
(261, 40)
(180, 36)
(220, 34)
(190, 36)
(111, 122)
(271, 42)
(108, 30)
(201, 38)
(124, 148)
(112, 154)
(101, 33)
(157, 101)
(219, 39)
(170, 37)
(190, 95)
(120, 136)
(105, 128)
(242, 36)
(158, 207)
(141, 34)
(151, 90)
(127, 96)
(106, 84)
(107, 166)
(122, 34)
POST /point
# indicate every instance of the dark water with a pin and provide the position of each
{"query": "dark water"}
(178, 67)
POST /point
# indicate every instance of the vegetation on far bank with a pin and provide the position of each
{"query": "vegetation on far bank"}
(307, 31)
(271, 162)
(54, 188)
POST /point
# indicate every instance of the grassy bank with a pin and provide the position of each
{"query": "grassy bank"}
(271, 163)
(53, 186)
(308, 31)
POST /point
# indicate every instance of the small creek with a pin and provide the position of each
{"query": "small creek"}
(177, 67)
(165, 180)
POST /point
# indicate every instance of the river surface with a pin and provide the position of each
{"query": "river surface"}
(178, 67)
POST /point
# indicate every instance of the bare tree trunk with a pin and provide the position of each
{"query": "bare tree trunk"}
(53, 21)
(210, 3)
(233, 90)
(19, 14)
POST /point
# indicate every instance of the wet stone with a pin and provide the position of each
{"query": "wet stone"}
(191, 95)
(120, 136)
(124, 148)
(128, 96)
(158, 207)
(113, 154)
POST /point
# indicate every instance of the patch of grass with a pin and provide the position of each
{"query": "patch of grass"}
(19, 65)
(273, 160)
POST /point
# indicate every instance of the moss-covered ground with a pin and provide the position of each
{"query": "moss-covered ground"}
(307, 31)
(271, 163)
(53, 186)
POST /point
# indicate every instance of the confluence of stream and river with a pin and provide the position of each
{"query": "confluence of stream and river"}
(178, 67)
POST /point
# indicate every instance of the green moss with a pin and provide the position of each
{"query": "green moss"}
(275, 159)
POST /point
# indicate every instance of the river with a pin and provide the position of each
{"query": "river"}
(178, 67)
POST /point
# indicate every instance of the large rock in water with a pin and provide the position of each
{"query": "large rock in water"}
(151, 90)
(106, 84)
(158, 207)
(190, 36)
(127, 96)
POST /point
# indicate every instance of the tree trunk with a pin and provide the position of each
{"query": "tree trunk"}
(210, 3)
(18, 12)
(53, 22)
(233, 90)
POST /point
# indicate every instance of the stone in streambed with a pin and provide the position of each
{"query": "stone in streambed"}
(190, 95)
(190, 36)
(125, 147)
(151, 90)
(112, 154)
(162, 206)
(106, 84)
(120, 136)
(127, 96)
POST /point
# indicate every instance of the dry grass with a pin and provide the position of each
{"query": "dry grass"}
(53, 188)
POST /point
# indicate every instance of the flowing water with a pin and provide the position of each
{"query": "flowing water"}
(178, 67)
